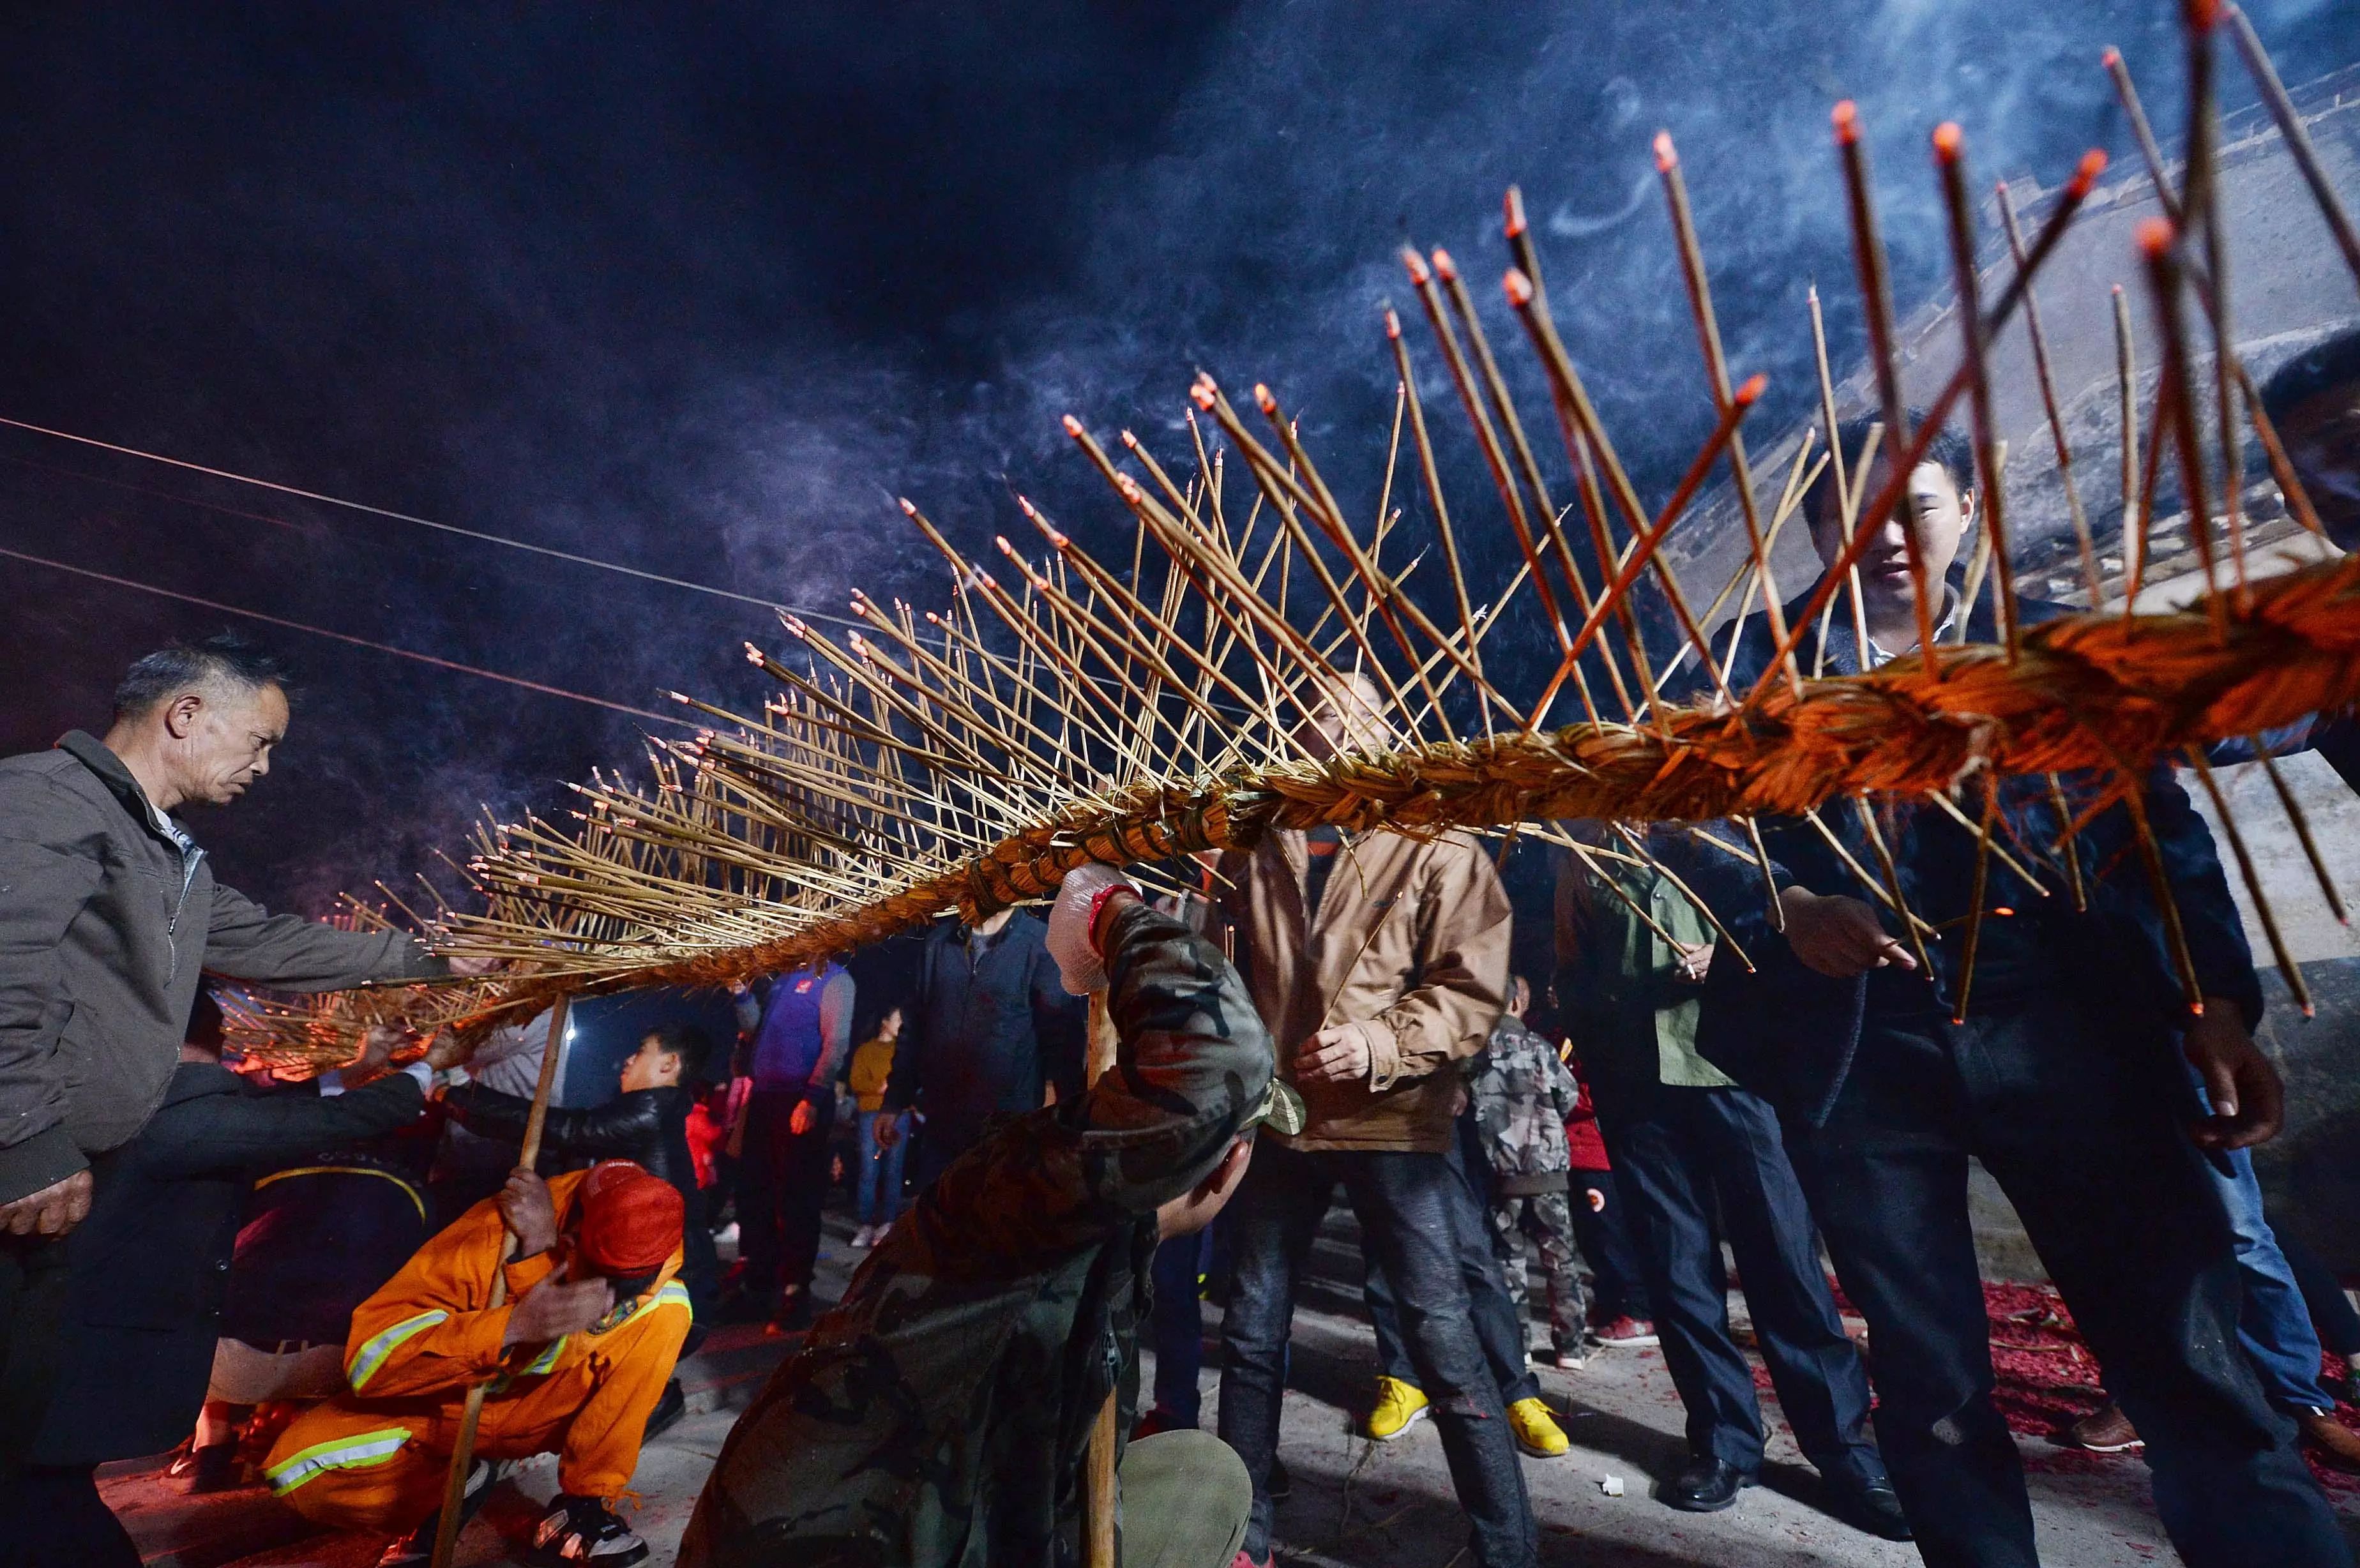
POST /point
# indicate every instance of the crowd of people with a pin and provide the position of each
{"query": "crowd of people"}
(333, 1286)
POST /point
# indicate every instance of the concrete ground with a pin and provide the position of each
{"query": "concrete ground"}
(1356, 1504)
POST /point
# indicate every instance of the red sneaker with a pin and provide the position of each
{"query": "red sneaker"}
(1242, 1561)
(1625, 1331)
(1156, 1420)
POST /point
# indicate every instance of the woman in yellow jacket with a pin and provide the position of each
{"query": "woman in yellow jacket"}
(876, 1188)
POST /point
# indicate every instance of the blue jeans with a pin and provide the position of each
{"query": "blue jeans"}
(2273, 1325)
(1404, 1205)
(876, 1190)
(1178, 1323)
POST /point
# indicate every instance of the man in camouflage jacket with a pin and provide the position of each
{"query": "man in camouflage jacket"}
(941, 1413)
(1523, 1094)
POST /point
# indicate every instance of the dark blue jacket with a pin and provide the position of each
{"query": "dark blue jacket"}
(988, 1027)
(1792, 1032)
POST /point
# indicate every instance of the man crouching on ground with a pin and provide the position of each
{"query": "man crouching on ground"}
(941, 1414)
(576, 1359)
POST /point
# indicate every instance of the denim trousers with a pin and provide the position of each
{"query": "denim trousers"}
(1675, 1147)
(1499, 1325)
(876, 1190)
(2081, 1115)
(2273, 1325)
(1404, 1202)
(1176, 1325)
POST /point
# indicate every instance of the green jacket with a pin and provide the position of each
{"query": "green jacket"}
(1632, 1020)
(939, 1415)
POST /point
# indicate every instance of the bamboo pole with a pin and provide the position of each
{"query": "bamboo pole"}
(462, 1453)
(1098, 1516)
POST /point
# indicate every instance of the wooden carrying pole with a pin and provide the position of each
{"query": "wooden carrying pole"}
(462, 1453)
(1097, 1515)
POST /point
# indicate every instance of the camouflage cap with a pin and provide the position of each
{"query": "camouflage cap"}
(1282, 1110)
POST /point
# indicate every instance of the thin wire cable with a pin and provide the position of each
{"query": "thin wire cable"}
(425, 522)
(345, 637)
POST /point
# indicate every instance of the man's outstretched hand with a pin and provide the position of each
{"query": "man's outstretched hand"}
(525, 1204)
(53, 1211)
(1837, 936)
(1337, 1055)
(2248, 1100)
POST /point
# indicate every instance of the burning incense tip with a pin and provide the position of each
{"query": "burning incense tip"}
(677, 696)
(2085, 176)
(1005, 547)
(909, 507)
(2202, 14)
(1392, 323)
(1073, 427)
(2154, 236)
(1949, 140)
(2112, 57)
(1751, 393)
(1845, 118)
(753, 654)
(1443, 268)
(1129, 488)
(1263, 400)
(1519, 288)
(1512, 210)
(1203, 393)
(1130, 441)
(1416, 265)
(1667, 157)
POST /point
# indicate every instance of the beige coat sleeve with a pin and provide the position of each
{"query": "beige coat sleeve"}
(1464, 925)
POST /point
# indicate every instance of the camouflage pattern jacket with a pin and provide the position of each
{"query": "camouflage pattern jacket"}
(1523, 1094)
(939, 1415)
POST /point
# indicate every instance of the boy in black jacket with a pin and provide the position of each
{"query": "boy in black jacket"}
(647, 1124)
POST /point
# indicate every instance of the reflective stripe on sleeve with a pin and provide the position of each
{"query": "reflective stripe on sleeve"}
(374, 1352)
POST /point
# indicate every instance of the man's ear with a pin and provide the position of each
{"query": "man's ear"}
(181, 715)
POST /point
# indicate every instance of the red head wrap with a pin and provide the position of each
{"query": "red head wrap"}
(630, 1220)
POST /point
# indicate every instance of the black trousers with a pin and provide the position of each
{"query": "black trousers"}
(52, 1517)
(1602, 1230)
(32, 1311)
(2082, 1119)
(782, 1187)
(1675, 1147)
(1404, 1203)
(1498, 1325)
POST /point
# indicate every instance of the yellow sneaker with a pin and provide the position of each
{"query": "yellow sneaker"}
(1537, 1431)
(1400, 1406)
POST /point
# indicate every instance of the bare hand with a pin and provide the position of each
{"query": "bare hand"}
(1694, 961)
(803, 1118)
(552, 1310)
(53, 1211)
(525, 1205)
(1837, 936)
(447, 1050)
(1338, 1055)
(379, 1044)
(2248, 1100)
(886, 1131)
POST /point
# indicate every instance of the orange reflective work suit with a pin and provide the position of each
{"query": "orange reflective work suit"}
(376, 1457)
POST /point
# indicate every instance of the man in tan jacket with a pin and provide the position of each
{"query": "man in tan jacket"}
(1378, 962)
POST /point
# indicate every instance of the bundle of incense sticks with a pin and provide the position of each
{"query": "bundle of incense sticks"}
(1055, 708)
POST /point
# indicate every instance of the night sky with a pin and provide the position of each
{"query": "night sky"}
(699, 288)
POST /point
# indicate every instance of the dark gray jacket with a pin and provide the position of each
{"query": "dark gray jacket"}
(105, 924)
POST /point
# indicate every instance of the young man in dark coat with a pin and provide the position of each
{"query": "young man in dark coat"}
(147, 1272)
(2060, 1068)
(987, 1032)
(940, 1414)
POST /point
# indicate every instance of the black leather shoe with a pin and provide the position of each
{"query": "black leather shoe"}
(1872, 1505)
(1707, 1485)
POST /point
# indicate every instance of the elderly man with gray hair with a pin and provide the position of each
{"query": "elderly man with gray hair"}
(109, 915)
